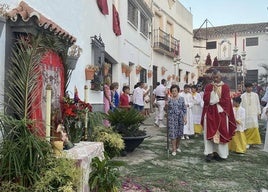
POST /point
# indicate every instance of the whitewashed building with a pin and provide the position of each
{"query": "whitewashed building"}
(106, 33)
(153, 38)
(250, 41)
(172, 43)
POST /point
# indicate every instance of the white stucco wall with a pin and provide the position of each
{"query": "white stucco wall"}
(2, 60)
(2, 64)
(82, 19)
(181, 20)
(255, 55)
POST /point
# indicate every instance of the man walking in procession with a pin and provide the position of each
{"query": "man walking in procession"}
(217, 119)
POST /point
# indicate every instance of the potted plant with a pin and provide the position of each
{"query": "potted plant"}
(138, 69)
(74, 53)
(150, 73)
(112, 141)
(124, 67)
(106, 68)
(90, 71)
(127, 123)
(104, 175)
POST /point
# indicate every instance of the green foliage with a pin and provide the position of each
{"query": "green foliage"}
(22, 154)
(8, 186)
(113, 142)
(59, 175)
(126, 122)
(104, 176)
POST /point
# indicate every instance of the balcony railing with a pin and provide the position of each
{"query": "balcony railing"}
(165, 43)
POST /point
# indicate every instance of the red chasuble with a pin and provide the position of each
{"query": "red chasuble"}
(218, 121)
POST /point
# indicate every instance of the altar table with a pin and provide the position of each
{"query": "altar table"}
(84, 152)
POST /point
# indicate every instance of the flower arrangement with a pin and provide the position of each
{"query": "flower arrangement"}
(185, 77)
(4, 9)
(74, 51)
(73, 115)
(92, 67)
(124, 67)
(150, 73)
(90, 71)
(128, 71)
(106, 68)
(177, 78)
(138, 69)
(163, 70)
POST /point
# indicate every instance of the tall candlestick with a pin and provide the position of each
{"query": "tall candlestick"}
(243, 44)
(86, 93)
(235, 40)
(86, 119)
(179, 47)
(48, 111)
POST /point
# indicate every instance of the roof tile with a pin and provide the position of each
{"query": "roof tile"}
(26, 13)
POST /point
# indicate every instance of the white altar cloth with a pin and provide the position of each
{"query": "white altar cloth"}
(84, 152)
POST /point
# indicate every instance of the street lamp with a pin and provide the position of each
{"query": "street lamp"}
(244, 69)
(197, 58)
(235, 63)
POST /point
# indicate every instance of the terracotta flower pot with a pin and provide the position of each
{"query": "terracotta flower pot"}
(127, 73)
(106, 71)
(124, 68)
(89, 73)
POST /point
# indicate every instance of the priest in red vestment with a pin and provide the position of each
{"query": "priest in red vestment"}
(217, 119)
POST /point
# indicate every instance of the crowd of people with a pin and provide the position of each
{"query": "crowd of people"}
(227, 123)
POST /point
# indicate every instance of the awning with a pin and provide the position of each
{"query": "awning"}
(26, 13)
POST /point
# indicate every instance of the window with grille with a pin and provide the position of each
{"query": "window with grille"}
(143, 25)
(211, 45)
(253, 41)
(143, 75)
(132, 13)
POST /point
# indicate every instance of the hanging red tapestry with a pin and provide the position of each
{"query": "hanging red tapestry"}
(116, 22)
(103, 6)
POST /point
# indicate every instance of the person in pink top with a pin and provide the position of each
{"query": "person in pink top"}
(107, 97)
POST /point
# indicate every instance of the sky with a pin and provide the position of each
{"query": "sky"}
(226, 12)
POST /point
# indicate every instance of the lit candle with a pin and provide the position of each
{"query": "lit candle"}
(243, 44)
(48, 111)
(235, 40)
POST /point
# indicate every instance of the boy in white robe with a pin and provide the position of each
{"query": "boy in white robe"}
(239, 142)
(197, 108)
(251, 104)
(189, 126)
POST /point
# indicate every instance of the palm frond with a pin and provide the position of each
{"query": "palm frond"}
(23, 76)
